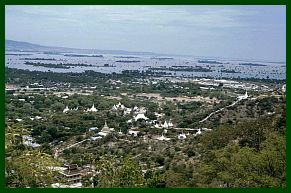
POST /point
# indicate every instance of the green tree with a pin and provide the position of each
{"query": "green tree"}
(58, 107)
(27, 108)
(30, 169)
(125, 174)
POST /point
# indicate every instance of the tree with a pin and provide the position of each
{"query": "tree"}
(58, 107)
(125, 174)
(27, 108)
(30, 169)
(244, 167)
(174, 179)
(48, 102)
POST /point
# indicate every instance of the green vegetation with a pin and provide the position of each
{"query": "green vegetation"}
(246, 146)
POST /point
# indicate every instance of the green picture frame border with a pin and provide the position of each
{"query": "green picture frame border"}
(130, 2)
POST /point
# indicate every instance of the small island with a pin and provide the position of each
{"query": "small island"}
(209, 62)
(251, 64)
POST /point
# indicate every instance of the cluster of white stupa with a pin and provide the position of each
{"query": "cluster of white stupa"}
(138, 114)
(126, 111)
(165, 125)
(119, 106)
(92, 109)
(67, 109)
(182, 135)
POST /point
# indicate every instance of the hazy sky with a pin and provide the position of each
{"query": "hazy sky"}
(254, 32)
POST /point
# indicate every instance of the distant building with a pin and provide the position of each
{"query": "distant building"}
(93, 129)
(70, 175)
(95, 138)
(133, 132)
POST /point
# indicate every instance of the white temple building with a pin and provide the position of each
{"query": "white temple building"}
(93, 129)
(159, 115)
(181, 136)
(140, 116)
(133, 132)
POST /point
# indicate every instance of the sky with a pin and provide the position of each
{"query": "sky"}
(249, 32)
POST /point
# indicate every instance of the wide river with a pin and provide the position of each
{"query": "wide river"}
(272, 70)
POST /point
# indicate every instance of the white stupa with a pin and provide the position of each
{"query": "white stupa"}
(165, 125)
(242, 97)
(66, 109)
(127, 111)
(170, 124)
(92, 109)
(198, 132)
(120, 133)
(163, 138)
(105, 130)
(114, 108)
(135, 108)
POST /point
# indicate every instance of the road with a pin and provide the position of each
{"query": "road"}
(217, 111)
